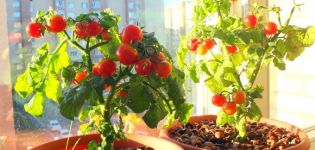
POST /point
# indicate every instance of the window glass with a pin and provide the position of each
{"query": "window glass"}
(59, 3)
(16, 4)
(30, 131)
(70, 5)
(84, 5)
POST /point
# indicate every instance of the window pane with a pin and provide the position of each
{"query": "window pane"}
(31, 131)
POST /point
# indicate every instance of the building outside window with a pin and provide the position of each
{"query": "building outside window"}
(71, 14)
(60, 3)
(70, 5)
(131, 5)
(16, 4)
(96, 4)
(16, 14)
(61, 12)
(84, 5)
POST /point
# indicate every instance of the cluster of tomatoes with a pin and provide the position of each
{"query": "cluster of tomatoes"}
(55, 24)
(229, 107)
(128, 56)
(201, 47)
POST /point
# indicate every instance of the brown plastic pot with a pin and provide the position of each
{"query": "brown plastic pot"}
(132, 141)
(304, 145)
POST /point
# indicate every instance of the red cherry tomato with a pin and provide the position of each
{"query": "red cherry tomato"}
(163, 69)
(202, 49)
(80, 29)
(35, 30)
(209, 43)
(250, 21)
(231, 49)
(144, 67)
(107, 68)
(93, 28)
(105, 35)
(79, 77)
(193, 44)
(158, 57)
(122, 93)
(131, 34)
(229, 108)
(56, 24)
(126, 54)
(218, 100)
(95, 69)
(107, 87)
(239, 97)
(270, 28)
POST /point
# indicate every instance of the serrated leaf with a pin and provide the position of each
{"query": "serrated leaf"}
(183, 112)
(139, 98)
(22, 86)
(214, 85)
(73, 101)
(223, 118)
(83, 114)
(309, 37)
(35, 106)
(194, 72)
(59, 59)
(52, 88)
(154, 115)
(254, 112)
(279, 63)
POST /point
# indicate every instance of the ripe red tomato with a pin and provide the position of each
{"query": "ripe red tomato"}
(163, 69)
(218, 100)
(95, 69)
(107, 68)
(35, 30)
(105, 35)
(93, 28)
(80, 76)
(202, 49)
(126, 54)
(229, 108)
(209, 43)
(56, 24)
(250, 21)
(122, 93)
(80, 29)
(193, 44)
(158, 57)
(239, 97)
(107, 87)
(131, 34)
(231, 49)
(270, 28)
(144, 67)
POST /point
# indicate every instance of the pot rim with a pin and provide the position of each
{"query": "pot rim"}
(304, 144)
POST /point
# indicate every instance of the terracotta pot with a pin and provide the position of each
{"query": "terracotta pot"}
(133, 140)
(304, 145)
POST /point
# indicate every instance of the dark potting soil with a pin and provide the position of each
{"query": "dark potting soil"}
(260, 136)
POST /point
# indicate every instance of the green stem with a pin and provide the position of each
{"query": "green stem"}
(97, 45)
(161, 94)
(88, 55)
(74, 43)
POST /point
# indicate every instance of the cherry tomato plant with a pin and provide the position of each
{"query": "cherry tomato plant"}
(245, 45)
(136, 74)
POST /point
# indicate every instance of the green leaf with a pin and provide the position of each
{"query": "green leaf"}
(214, 85)
(309, 37)
(139, 97)
(194, 72)
(241, 125)
(279, 63)
(183, 112)
(254, 112)
(175, 87)
(223, 118)
(22, 86)
(59, 59)
(154, 115)
(204, 68)
(83, 114)
(67, 75)
(35, 106)
(52, 88)
(73, 101)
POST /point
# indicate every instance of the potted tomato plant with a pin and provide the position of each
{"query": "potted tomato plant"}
(244, 47)
(136, 74)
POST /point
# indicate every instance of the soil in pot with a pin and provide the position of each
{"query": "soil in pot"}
(206, 134)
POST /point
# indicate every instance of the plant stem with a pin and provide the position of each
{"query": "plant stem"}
(88, 55)
(97, 45)
(74, 43)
